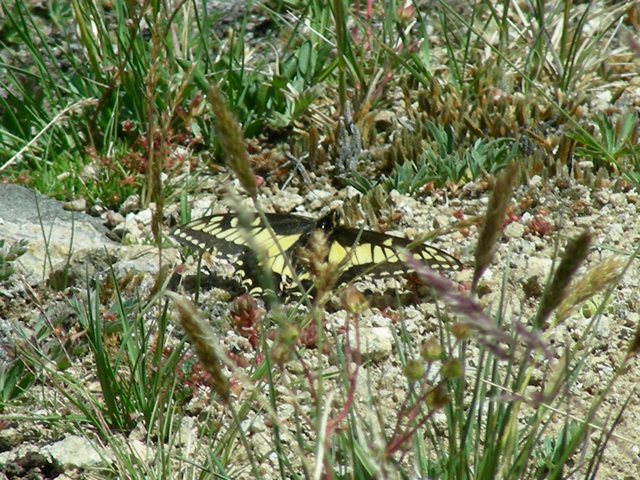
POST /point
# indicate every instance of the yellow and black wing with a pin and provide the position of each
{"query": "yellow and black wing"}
(363, 252)
(355, 251)
(226, 233)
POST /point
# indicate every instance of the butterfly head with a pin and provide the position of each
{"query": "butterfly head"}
(329, 222)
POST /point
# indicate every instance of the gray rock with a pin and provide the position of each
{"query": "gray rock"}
(53, 234)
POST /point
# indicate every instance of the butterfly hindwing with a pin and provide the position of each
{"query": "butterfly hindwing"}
(377, 253)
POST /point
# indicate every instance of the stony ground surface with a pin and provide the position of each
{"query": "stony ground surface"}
(544, 215)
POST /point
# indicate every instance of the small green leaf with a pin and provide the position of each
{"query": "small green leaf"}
(304, 59)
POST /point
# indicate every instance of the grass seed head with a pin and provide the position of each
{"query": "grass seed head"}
(353, 301)
(594, 281)
(574, 254)
(431, 350)
(496, 212)
(202, 338)
(314, 259)
(438, 397)
(414, 370)
(232, 142)
(452, 369)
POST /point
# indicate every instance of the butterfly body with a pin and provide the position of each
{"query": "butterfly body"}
(354, 251)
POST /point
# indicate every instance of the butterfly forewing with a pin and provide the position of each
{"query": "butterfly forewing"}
(225, 232)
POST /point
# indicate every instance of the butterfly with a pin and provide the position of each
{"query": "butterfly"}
(355, 251)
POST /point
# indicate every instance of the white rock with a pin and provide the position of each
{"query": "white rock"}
(145, 454)
(614, 234)
(514, 230)
(89, 173)
(144, 216)
(618, 199)
(286, 201)
(76, 452)
(317, 198)
(535, 181)
(352, 192)
(285, 411)
(376, 343)
(78, 205)
(131, 204)
(188, 433)
(539, 267)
